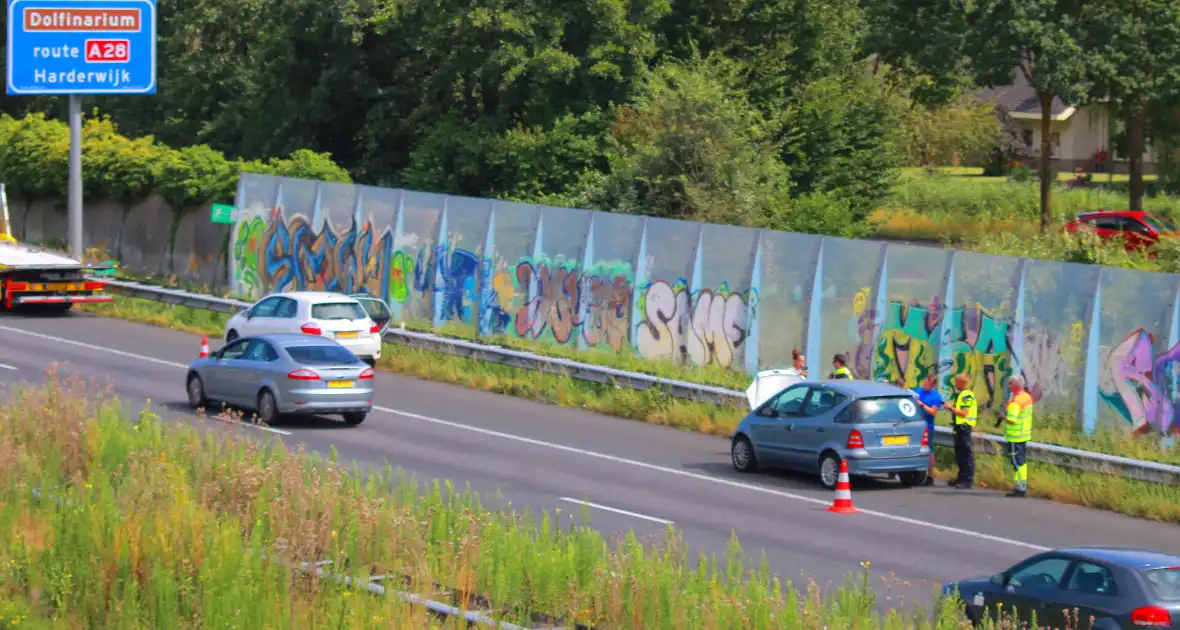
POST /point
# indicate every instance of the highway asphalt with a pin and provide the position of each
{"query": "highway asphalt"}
(637, 476)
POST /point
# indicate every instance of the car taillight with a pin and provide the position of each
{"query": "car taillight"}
(368, 373)
(926, 436)
(855, 440)
(303, 375)
(374, 329)
(18, 286)
(311, 329)
(95, 286)
(1151, 617)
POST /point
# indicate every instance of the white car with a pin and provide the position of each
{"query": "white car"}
(332, 315)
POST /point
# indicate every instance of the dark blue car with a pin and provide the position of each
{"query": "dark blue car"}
(1102, 588)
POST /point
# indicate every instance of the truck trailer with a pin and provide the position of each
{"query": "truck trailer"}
(36, 277)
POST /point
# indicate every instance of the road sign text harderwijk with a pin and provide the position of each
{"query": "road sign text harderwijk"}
(81, 47)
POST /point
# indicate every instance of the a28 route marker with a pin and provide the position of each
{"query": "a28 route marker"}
(76, 47)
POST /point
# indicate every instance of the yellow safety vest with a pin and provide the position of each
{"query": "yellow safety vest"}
(1018, 428)
(966, 400)
(843, 372)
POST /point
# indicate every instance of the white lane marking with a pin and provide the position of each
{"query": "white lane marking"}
(132, 355)
(5, 366)
(611, 458)
(607, 508)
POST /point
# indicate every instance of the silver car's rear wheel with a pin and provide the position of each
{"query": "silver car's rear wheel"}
(268, 409)
(829, 470)
(196, 392)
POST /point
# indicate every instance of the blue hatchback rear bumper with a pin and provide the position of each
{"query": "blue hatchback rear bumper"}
(887, 465)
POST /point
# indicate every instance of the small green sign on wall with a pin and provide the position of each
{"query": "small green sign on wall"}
(222, 213)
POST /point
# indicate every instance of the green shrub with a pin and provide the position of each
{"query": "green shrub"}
(34, 162)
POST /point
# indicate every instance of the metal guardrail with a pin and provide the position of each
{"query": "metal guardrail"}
(1155, 472)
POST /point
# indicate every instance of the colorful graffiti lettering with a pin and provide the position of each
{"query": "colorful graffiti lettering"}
(1141, 386)
(401, 277)
(560, 298)
(705, 327)
(977, 343)
(246, 248)
(906, 347)
(287, 254)
(451, 275)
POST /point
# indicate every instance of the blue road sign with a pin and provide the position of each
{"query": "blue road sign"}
(81, 47)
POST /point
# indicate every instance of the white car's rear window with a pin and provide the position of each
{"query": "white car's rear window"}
(338, 310)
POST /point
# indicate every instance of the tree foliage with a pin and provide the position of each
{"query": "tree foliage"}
(965, 131)
(34, 162)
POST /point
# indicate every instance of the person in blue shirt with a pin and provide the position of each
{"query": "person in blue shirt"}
(930, 401)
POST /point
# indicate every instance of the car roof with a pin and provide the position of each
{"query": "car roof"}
(1135, 558)
(1113, 213)
(862, 388)
(315, 296)
(295, 339)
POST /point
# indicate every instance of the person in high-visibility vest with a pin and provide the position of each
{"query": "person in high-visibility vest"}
(840, 365)
(965, 412)
(1017, 418)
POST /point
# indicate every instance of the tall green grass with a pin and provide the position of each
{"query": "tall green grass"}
(122, 521)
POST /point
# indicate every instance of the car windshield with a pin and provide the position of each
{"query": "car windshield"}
(375, 309)
(1164, 584)
(338, 310)
(321, 355)
(1160, 224)
(885, 409)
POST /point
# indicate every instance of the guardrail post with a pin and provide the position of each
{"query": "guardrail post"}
(408, 274)
(947, 297)
(584, 282)
(638, 301)
(1088, 410)
(440, 252)
(880, 305)
(487, 276)
(752, 324)
(814, 309)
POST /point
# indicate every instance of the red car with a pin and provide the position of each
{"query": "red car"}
(1138, 229)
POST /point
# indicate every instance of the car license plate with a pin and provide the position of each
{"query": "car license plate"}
(339, 384)
(895, 440)
(346, 335)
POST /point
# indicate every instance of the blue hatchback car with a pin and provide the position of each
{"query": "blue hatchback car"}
(812, 426)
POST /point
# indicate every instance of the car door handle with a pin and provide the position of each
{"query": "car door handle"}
(820, 430)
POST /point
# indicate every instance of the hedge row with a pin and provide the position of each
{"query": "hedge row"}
(34, 163)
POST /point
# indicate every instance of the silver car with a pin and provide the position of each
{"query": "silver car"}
(276, 375)
(814, 425)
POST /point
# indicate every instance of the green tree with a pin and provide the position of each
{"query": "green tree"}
(921, 42)
(692, 147)
(1043, 40)
(1136, 46)
(934, 136)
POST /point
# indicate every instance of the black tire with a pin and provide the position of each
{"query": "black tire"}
(742, 455)
(912, 478)
(268, 408)
(829, 462)
(196, 392)
(354, 418)
(231, 336)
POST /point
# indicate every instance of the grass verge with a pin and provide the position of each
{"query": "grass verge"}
(145, 524)
(1134, 498)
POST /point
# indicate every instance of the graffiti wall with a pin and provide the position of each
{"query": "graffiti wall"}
(546, 275)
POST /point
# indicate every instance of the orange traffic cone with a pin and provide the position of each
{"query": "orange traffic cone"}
(204, 347)
(843, 502)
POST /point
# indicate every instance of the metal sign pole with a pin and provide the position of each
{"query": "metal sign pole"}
(75, 187)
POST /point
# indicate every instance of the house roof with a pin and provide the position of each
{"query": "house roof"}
(1020, 99)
